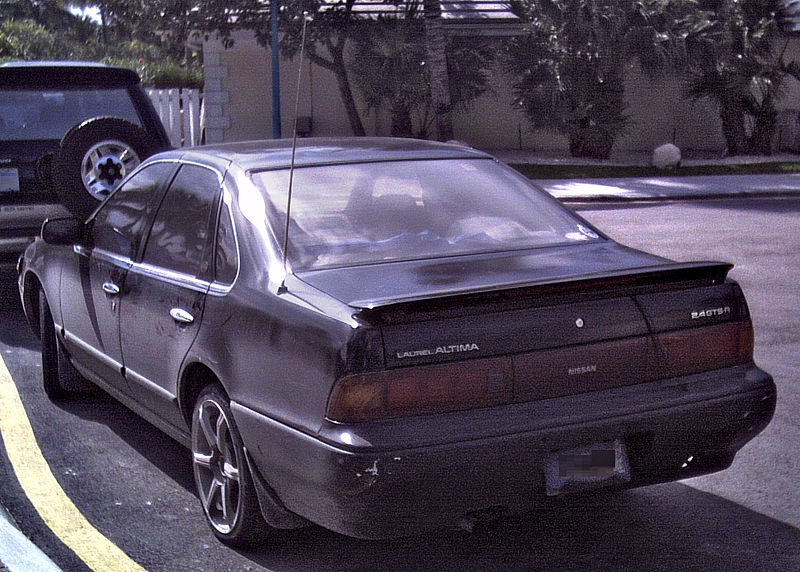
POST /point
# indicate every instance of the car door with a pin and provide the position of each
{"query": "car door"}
(94, 278)
(165, 293)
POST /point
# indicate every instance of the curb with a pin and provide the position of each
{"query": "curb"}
(611, 199)
(17, 552)
(665, 189)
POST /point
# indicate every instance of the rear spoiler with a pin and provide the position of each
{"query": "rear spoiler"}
(706, 272)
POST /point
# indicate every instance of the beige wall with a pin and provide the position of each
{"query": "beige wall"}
(243, 79)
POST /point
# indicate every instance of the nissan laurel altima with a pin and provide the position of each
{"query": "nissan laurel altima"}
(391, 336)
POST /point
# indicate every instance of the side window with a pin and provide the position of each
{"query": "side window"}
(226, 261)
(120, 225)
(180, 230)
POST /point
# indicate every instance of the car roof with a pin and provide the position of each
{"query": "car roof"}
(65, 74)
(277, 153)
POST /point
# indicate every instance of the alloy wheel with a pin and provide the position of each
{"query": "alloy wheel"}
(105, 164)
(217, 463)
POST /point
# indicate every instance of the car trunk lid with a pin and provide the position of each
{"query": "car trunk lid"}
(551, 335)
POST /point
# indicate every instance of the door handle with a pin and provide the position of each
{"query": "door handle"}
(181, 315)
(110, 288)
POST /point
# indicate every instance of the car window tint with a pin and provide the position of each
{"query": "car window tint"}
(373, 212)
(119, 225)
(226, 261)
(179, 235)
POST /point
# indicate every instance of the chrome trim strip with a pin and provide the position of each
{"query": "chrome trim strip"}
(219, 289)
(94, 352)
(102, 255)
(171, 277)
(142, 381)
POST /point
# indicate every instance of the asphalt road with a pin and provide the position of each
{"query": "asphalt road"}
(135, 485)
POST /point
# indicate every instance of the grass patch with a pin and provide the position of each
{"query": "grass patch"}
(553, 171)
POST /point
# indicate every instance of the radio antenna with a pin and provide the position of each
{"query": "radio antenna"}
(282, 288)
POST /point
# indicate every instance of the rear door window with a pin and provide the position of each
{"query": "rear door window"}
(178, 240)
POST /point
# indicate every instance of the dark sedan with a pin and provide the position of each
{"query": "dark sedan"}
(389, 336)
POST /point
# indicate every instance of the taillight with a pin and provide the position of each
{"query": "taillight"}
(703, 349)
(421, 390)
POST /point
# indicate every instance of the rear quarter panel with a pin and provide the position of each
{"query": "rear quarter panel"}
(275, 354)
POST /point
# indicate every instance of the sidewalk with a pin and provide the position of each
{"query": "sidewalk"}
(663, 187)
(672, 188)
(17, 552)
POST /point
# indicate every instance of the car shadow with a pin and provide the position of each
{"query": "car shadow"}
(764, 204)
(664, 527)
(164, 453)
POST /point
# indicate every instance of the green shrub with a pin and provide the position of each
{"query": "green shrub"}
(27, 40)
(161, 75)
(171, 75)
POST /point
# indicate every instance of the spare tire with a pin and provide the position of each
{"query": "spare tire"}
(93, 158)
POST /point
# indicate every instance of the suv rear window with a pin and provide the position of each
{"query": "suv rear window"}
(36, 115)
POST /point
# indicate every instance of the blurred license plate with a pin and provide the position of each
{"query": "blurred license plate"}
(592, 466)
(9, 179)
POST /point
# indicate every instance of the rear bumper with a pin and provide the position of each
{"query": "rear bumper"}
(353, 480)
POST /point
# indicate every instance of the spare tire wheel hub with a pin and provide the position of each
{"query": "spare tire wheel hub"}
(105, 165)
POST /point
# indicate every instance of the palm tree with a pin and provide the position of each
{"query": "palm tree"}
(391, 72)
(437, 65)
(389, 62)
(738, 60)
(568, 69)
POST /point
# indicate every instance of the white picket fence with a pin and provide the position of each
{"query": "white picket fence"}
(181, 112)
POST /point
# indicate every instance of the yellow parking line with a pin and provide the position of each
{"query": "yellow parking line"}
(44, 492)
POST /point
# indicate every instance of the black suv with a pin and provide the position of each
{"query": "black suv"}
(69, 132)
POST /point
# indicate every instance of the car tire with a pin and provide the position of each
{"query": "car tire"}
(93, 158)
(60, 379)
(222, 477)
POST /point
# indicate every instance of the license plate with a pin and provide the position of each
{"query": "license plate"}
(9, 179)
(591, 466)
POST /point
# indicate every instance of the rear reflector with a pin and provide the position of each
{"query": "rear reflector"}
(476, 383)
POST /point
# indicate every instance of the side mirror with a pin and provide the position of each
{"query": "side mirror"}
(67, 230)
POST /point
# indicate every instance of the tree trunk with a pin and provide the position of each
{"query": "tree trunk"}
(589, 142)
(732, 115)
(766, 122)
(436, 59)
(401, 121)
(339, 68)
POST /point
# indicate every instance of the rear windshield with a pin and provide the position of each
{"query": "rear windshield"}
(33, 115)
(365, 213)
